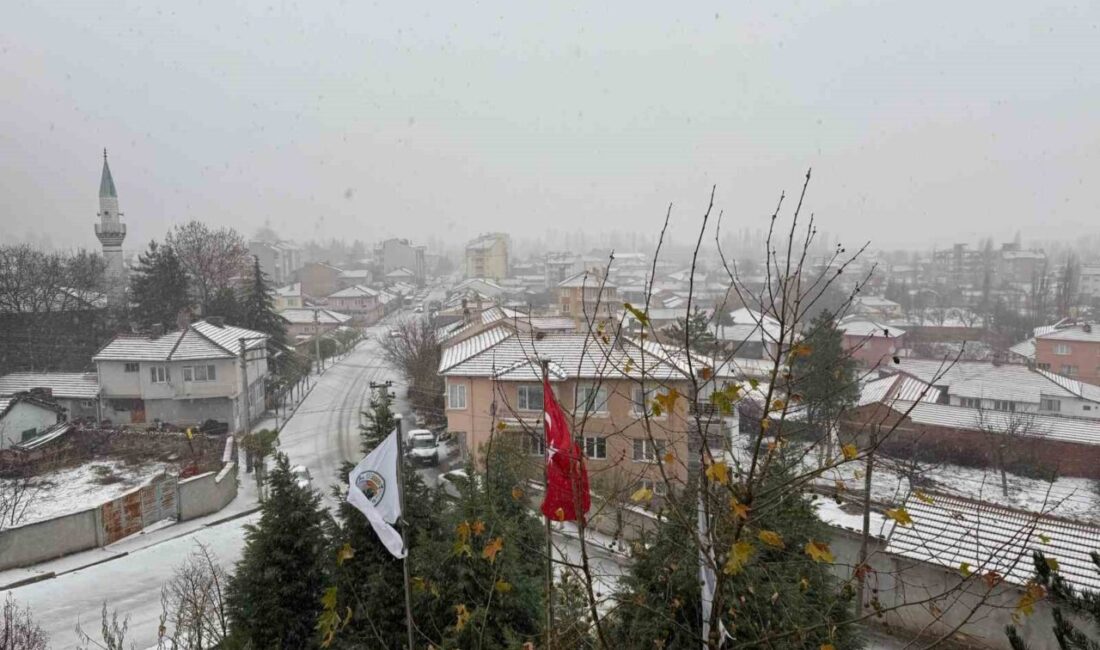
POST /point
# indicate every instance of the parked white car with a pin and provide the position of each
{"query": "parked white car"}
(423, 447)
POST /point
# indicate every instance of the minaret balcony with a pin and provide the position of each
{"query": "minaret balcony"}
(110, 234)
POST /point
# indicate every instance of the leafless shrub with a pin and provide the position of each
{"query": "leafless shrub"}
(18, 631)
(193, 609)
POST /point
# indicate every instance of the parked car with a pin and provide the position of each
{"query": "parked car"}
(302, 476)
(423, 447)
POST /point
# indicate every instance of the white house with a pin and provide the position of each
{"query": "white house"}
(184, 377)
(76, 392)
(23, 417)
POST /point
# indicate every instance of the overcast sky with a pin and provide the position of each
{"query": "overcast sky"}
(923, 121)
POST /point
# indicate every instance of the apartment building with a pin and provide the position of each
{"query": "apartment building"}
(359, 302)
(487, 257)
(586, 296)
(400, 253)
(494, 392)
(1070, 349)
(279, 260)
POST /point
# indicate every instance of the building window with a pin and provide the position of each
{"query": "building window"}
(87, 403)
(638, 401)
(591, 398)
(1069, 370)
(648, 451)
(1062, 349)
(1048, 404)
(971, 402)
(1086, 407)
(595, 447)
(456, 396)
(1003, 405)
(1043, 366)
(658, 488)
(158, 374)
(130, 366)
(532, 445)
(529, 397)
(198, 373)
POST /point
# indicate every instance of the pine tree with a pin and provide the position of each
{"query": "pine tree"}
(1070, 608)
(274, 596)
(226, 304)
(258, 306)
(825, 376)
(159, 287)
(700, 331)
(779, 585)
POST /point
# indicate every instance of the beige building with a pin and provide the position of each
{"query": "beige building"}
(586, 297)
(494, 392)
(487, 257)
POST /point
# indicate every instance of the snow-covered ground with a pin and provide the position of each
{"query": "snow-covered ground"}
(79, 488)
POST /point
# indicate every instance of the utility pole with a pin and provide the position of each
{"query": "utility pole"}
(317, 340)
(244, 387)
(545, 364)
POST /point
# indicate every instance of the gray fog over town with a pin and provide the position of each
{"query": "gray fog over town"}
(351, 325)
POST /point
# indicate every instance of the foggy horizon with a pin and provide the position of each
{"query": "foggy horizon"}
(373, 122)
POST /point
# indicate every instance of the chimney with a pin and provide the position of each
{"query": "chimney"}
(216, 321)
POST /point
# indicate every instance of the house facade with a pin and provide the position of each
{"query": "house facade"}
(24, 417)
(76, 392)
(1072, 350)
(307, 323)
(487, 257)
(494, 393)
(359, 302)
(185, 377)
(586, 296)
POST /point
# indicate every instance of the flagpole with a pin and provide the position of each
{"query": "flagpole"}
(545, 363)
(404, 541)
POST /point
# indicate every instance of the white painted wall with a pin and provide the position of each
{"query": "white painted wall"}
(21, 417)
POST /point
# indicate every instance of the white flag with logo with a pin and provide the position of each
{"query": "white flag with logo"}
(372, 488)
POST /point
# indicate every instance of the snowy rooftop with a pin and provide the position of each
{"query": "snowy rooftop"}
(1073, 430)
(866, 328)
(1084, 333)
(897, 387)
(306, 316)
(201, 340)
(981, 379)
(952, 530)
(355, 291)
(71, 385)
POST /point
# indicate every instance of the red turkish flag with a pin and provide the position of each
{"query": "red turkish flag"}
(566, 477)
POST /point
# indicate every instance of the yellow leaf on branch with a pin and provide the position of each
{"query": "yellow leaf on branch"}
(771, 538)
(641, 494)
(819, 551)
(901, 516)
(718, 473)
(492, 548)
(738, 557)
(850, 452)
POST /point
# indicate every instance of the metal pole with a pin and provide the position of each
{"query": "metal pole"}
(404, 541)
(545, 363)
(244, 389)
(317, 339)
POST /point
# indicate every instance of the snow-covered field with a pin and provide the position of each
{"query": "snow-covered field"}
(79, 488)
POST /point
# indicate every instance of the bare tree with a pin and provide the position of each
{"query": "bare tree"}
(213, 258)
(193, 607)
(1007, 433)
(112, 633)
(18, 631)
(412, 348)
(16, 496)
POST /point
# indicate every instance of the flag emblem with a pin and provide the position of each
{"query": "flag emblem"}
(373, 485)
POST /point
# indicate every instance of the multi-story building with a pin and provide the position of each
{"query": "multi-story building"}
(1070, 349)
(304, 324)
(319, 278)
(361, 303)
(870, 343)
(207, 371)
(494, 392)
(587, 297)
(1090, 281)
(289, 297)
(279, 260)
(487, 257)
(400, 253)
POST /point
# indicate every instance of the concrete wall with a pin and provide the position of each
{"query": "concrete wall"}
(206, 493)
(50, 539)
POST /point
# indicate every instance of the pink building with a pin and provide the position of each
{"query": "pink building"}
(1072, 350)
(870, 343)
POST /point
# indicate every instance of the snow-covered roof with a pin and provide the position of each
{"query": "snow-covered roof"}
(355, 274)
(984, 380)
(484, 242)
(952, 530)
(749, 325)
(355, 291)
(1025, 349)
(1084, 333)
(290, 290)
(501, 353)
(201, 340)
(1050, 427)
(866, 328)
(67, 385)
(10, 402)
(586, 279)
(897, 387)
(306, 316)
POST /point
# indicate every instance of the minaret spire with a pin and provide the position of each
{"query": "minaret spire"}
(111, 232)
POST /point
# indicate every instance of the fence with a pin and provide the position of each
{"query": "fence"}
(162, 498)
